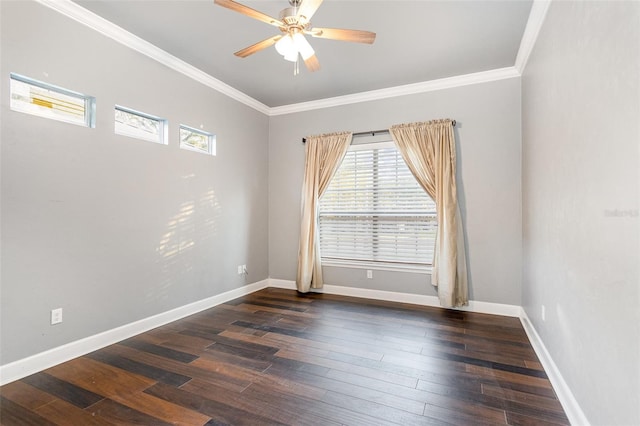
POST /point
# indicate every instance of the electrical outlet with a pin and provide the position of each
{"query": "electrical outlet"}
(543, 313)
(369, 273)
(244, 270)
(239, 269)
(56, 316)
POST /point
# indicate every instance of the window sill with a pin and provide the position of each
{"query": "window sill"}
(378, 266)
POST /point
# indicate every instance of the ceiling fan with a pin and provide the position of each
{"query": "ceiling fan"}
(294, 23)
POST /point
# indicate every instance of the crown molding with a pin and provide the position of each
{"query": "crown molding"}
(391, 92)
(122, 36)
(537, 15)
(109, 29)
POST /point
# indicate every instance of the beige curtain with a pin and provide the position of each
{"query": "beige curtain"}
(324, 153)
(429, 150)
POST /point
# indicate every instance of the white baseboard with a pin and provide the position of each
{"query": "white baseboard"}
(571, 407)
(416, 299)
(38, 362)
(286, 284)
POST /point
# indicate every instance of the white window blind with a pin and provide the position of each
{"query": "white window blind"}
(375, 211)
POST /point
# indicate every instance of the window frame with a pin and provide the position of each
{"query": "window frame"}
(420, 268)
(89, 119)
(211, 137)
(163, 125)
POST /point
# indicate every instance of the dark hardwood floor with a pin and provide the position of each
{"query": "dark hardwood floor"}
(276, 357)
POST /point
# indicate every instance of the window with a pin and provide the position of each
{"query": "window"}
(45, 100)
(140, 125)
(197, 140)
(374, 213)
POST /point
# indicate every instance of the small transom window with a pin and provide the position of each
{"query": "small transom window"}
(49, 101)
(139, 125)
(197, 140)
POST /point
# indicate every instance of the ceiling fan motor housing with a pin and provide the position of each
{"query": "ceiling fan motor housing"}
(288, 15)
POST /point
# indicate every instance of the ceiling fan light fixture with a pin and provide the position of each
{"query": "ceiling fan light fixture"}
(303, 46)
(291, 56)
(285, 45)
(287, 48)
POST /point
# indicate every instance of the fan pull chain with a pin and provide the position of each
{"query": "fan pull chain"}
(296, 68)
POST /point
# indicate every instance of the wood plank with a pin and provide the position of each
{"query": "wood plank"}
(334, 345)
(15, 414)
(209, 373)
(319, 408)
(379, 411)
(275, 342)
(66, 391)
(507, 405)
(285, 411)
(446, 405)
(522, 420)
(100, 378)
(140, 368)
(274, 305)
(483, 362)
(445, 377)
(159, 350)
(218, 411)
(237, 372)
(244, 345)
(224, 353)
(26, 395)
(525, 387)
(550, 404)
(183, 336)
(64, 413)
(342, 366)
(338, 383)
(509, 376)
(122, 415)
(292, 404)
(282, 311)
(162, 409)
(534, 364)
(184, 343)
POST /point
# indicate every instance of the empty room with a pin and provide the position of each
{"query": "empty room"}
(307, 212)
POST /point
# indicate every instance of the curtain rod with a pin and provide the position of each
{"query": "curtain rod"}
(375, 132)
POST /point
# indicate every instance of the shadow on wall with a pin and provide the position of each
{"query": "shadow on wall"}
(184, 242)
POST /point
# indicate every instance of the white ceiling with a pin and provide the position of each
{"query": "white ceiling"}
(416, 41)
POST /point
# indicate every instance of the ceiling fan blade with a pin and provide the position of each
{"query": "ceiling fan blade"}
(252, 13)
(308, 8)
(312, 63)
(357, 36)
(258, 46)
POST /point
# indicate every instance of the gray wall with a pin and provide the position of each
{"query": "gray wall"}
(581, 133)
(488, 136)
(114, 229)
